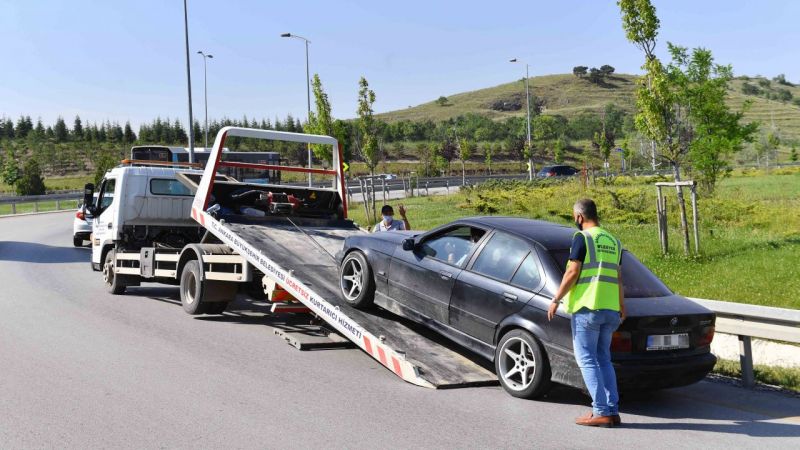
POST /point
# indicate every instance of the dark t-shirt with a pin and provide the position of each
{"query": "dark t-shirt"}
(578, 249)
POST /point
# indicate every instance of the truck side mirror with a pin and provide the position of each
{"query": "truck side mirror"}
(88, 190)
(409, 244)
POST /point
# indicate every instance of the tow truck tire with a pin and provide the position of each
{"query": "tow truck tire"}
(521, 365)
(355, 280)
(199, 296)
(115, 284)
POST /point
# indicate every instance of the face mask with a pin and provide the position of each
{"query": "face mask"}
(388, 219)
(579, 225)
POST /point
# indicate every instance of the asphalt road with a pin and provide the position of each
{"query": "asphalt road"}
(82, 368)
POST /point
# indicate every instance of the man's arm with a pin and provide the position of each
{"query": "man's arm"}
(402, 210)
(570, 277)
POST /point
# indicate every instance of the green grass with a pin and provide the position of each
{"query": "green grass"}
(568, 95)
(75, 182)
(749, 238)
(786, 377)
(23, 208)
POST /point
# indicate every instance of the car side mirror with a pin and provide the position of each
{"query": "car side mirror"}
(88, 190)
(409, 244)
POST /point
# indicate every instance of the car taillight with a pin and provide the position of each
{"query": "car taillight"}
(551, 174)
(621, 341)
(706, 336)
(80, 215)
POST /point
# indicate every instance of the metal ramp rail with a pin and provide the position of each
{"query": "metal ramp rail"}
(294, 259)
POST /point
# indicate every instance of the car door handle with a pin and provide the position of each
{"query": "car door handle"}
(509, 297)
(445, 275)
(109, 224)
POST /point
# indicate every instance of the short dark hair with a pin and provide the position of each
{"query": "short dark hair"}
(386, 210)
(587, 208)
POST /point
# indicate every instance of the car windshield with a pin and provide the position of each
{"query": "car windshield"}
(638, 280)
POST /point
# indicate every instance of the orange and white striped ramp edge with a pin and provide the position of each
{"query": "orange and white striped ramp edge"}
(368, 342)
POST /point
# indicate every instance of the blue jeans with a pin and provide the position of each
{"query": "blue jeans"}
(591, 341)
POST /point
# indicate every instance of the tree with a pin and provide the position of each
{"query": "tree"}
(60, 132)
(488, 150)
(77, 129)
(424, 154)
(31, 181)
(369, 148)
(320, 121)
(604, 142)
(750, 89)
(128, 135)
(464, 153)
(11, 172)
(442, 101)
(545, 131)
(558, 149)
(579, 71)
(595, 76)
(606, 70)
(24, 127)
(103, 162)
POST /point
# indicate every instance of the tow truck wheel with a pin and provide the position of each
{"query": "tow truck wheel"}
(355, 280)
(521, 365)
(114, 282)
(200, 296)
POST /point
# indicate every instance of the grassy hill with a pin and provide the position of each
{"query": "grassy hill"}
(568, 95)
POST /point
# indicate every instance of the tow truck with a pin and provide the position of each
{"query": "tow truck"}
(267, 242)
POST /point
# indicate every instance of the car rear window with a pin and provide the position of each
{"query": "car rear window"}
(501, 257)
(638, 280)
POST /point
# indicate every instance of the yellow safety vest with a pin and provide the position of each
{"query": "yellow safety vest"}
(598, 284)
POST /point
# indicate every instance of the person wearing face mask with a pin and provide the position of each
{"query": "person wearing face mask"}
(388, 223)
(592, 285)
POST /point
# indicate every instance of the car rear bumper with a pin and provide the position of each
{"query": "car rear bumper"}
(638, 374)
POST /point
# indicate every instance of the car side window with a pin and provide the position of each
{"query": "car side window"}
(501, 257)
(528, 275)
(453, 245)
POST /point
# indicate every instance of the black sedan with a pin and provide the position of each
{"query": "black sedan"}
(486, 282)
(557, 171)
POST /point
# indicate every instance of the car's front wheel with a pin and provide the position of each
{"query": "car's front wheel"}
(355, 280)
(521, 365)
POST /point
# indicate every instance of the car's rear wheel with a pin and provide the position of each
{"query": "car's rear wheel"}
(521, 365)
(355, 280)
(77, 241)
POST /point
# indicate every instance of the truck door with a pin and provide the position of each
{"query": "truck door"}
(103, 220)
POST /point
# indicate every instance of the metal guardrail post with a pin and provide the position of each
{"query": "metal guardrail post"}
(35, 206)
(13, 208)
(58, 205)
(427, 191)
(746, 361)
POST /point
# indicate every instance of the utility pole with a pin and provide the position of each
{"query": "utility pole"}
(205, 88)
(308, 92)
(528, 108)
(188, 81)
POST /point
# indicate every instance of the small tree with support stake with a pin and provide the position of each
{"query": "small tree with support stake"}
(661, 212)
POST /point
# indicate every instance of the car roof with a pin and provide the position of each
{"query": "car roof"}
(551, 236)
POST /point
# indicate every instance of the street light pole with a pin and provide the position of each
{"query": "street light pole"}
(188, 81)
(205, 89)
(528, 107)
(308, 92)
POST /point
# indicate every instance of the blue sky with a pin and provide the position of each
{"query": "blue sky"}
(124, 60)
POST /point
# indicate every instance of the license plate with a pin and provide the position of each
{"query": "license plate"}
(668, 341)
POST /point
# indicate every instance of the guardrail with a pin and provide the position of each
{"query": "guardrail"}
(54, 202)
(753, 321)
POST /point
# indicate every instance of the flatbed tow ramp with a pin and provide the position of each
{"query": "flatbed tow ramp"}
(299, 256)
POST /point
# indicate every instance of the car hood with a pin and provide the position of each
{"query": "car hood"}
(393, 236)
(663, 306)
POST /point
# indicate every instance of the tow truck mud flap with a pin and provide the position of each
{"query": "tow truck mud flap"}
(306, 270)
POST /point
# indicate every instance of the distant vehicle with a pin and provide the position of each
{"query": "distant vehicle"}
(486, 284)
(557, 171)
(389, 176)
(82, 224)
(246, 175)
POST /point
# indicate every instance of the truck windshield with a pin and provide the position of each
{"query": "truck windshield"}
(638, 280)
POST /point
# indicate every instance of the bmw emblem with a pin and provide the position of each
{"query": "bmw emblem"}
(673, 321)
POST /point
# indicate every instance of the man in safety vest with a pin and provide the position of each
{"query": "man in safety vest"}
(592, 285)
